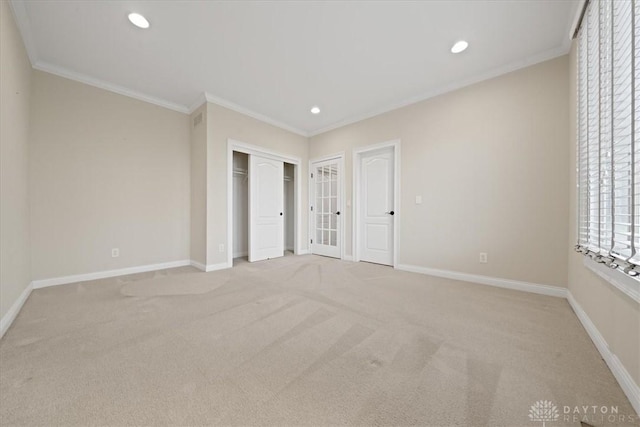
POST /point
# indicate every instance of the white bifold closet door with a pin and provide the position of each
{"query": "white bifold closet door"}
(266, 204)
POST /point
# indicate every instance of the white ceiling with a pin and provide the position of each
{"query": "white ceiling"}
(274, 60)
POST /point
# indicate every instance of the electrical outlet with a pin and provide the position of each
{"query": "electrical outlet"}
(483, 258)
(115, 253)
(418, 200)
(221, 247)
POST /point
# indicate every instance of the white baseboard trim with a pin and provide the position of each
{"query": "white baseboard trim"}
(43, 283)
(239, 254)
(198, 265)
(536, 288)
(303, 252)
(214, 267)
(628, 385)
(11, 315)
(347, 258)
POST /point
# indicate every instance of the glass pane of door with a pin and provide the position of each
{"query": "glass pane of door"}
(326, 203)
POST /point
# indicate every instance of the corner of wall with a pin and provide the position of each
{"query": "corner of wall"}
(15, 115)
(198, 227)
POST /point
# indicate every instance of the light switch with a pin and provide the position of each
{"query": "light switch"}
(348, 203)
(418, 200)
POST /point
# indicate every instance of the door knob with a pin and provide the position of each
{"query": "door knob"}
(390, 213)
(280, 213)
(338, 213)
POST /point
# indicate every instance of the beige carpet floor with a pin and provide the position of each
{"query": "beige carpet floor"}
(299, 340)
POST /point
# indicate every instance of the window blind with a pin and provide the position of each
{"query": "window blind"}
(636, 133)
(606, 126)
(582, 149)
(608, 163)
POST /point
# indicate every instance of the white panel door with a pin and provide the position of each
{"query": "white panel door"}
(376, 207)
(326, 219)
(266, 225)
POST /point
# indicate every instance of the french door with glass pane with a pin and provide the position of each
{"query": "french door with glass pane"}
(326, 178)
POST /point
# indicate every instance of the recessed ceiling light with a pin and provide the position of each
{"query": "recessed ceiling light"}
(315, 110)
(138, 20)
(459, 46)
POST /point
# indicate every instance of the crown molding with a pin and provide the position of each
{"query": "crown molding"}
(199, 102)
(22, 21)
(111, 87)
(207, 97)
(24, 26)
(561, 50)
(496, 72)
(247, 112)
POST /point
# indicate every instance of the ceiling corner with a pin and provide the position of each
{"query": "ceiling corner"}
(22, 21)
(575, 18)
(200, 100)
(213, 99)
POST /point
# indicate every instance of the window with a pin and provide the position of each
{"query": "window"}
(608, 147)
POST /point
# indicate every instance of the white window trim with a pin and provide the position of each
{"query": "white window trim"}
(623, 282)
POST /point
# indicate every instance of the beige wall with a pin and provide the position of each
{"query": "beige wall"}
(15, 87)
(199, 186)
(490, 163)
(615, 315)
(222, 125)
(107, 171)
